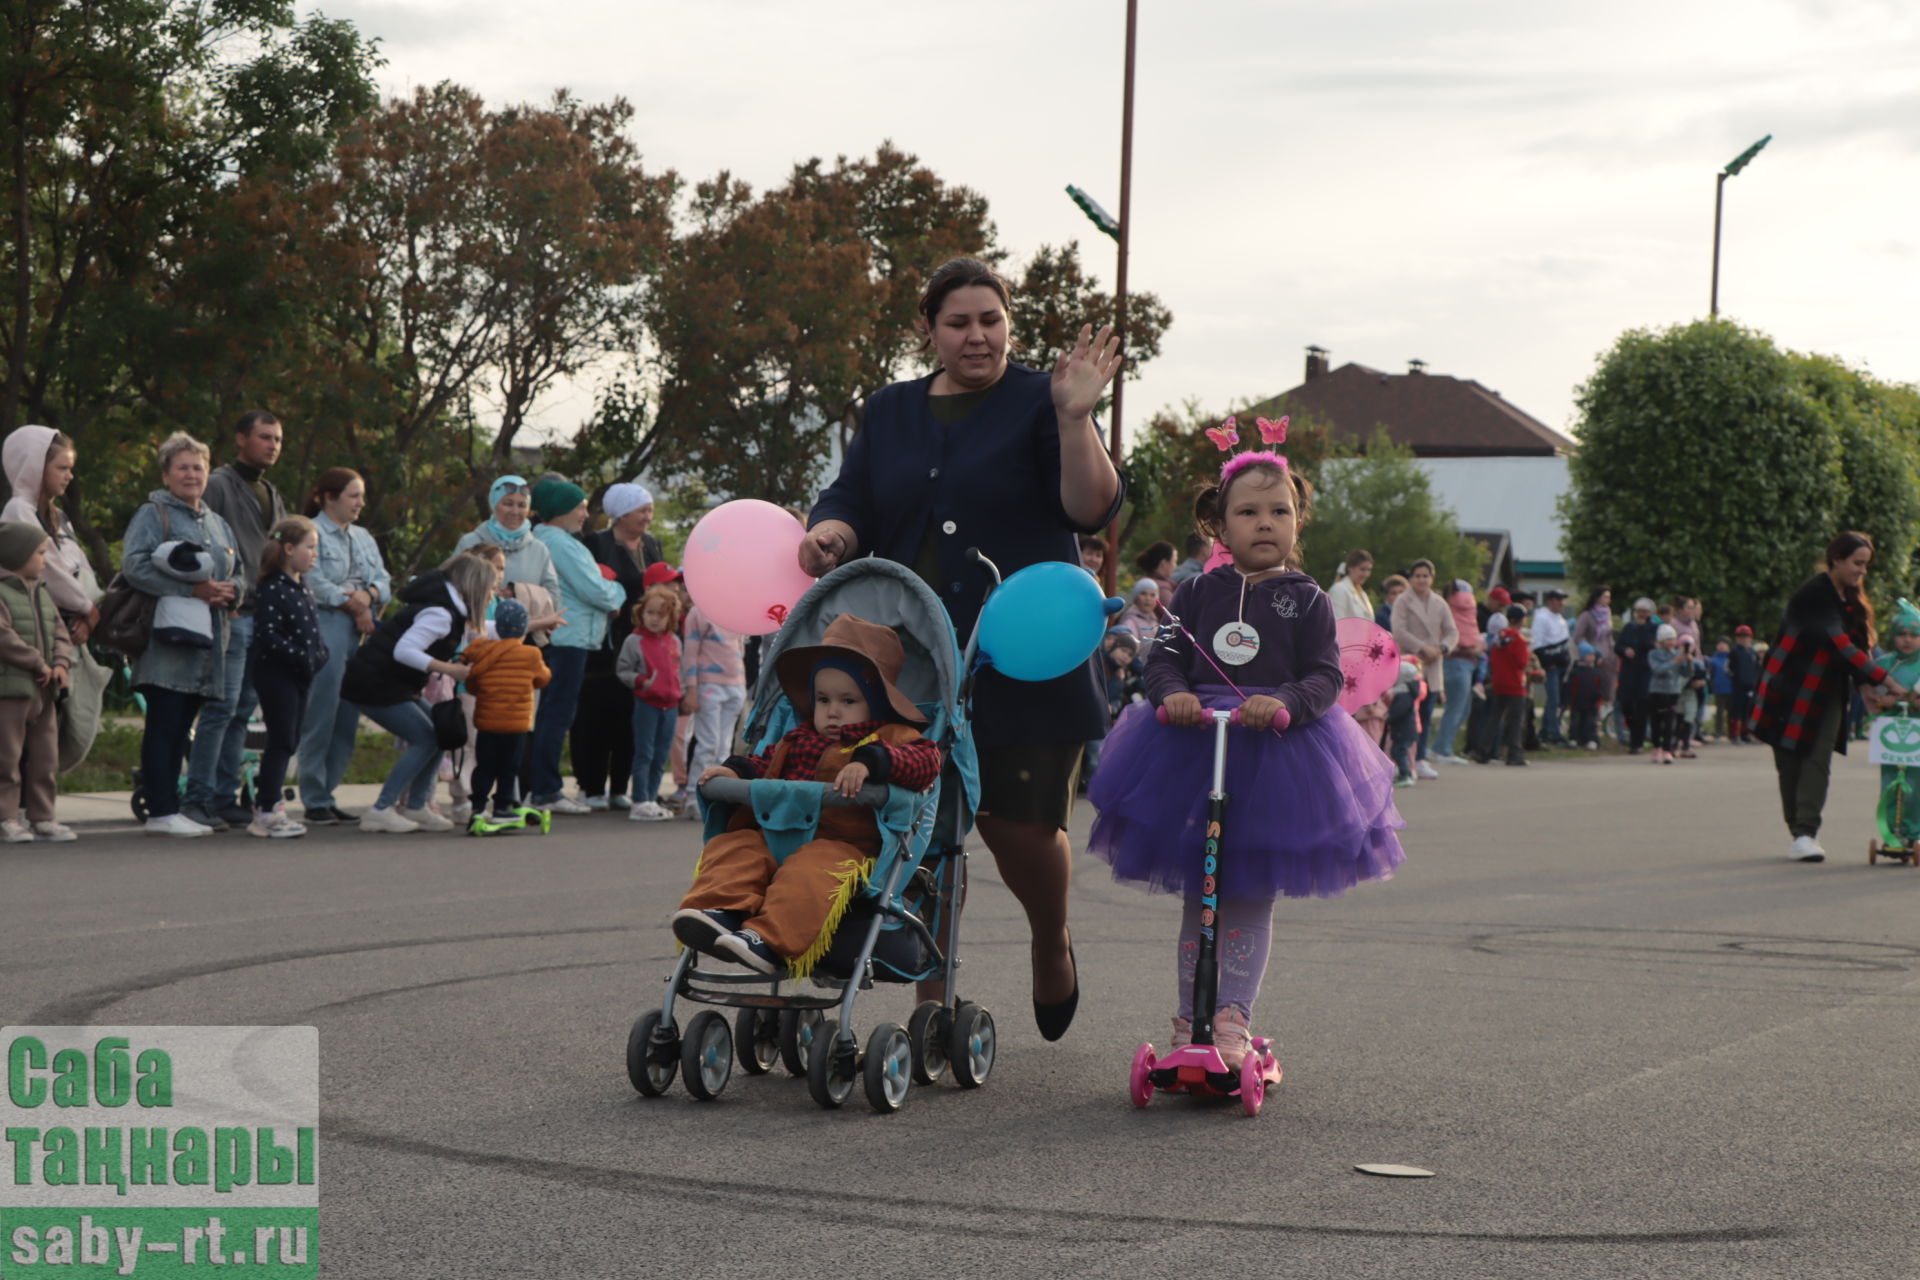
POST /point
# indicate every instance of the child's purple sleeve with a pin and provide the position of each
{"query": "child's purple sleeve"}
(1169, 662)
(1318, 679)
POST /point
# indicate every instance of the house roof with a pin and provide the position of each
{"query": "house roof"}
(1435, 415)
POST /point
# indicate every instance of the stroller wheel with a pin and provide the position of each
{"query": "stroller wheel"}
(831, 1066)
(799, 1029)
(706, 1055)
(971, 1045)
(927, 1034)
(138, 801)
(887, 1070)
(653, 1055)
(756, 1038)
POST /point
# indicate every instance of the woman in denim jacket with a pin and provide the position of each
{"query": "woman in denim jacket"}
(351, 586)
(176, 679)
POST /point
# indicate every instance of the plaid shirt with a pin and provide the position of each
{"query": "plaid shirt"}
(894, 754)
(1822, 642)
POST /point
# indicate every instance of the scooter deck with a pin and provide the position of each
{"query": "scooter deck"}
(1199, 1069)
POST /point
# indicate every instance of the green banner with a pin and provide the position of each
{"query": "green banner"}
(127, 1241)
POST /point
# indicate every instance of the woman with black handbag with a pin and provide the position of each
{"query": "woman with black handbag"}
(388, 673)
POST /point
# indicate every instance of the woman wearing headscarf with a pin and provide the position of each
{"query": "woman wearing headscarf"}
(602, 738)
(528, 559)
(588, 593)
(39, 463)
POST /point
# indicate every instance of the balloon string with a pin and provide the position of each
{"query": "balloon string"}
(1203, 653)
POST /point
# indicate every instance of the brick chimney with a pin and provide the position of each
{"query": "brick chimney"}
(1316, 362)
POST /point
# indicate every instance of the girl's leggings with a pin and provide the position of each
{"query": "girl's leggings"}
(1241, 942)
(1666, 714)
(283, 705)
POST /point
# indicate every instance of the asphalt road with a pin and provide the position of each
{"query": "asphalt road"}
(1629, 1037)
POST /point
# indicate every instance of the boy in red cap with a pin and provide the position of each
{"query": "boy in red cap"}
(856, 727)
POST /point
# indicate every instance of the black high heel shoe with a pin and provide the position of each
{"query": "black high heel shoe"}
(1054, 1019)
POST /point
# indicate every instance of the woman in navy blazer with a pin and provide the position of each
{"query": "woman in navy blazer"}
(988, 454)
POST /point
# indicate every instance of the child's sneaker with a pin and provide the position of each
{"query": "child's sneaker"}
(426, 819)
(58, 832)
(272, 825)
(746, 947)
(702, 930)
(1232, 1037)
(1182, 1034)
(597, 803)
(648, 811)
(16, 831)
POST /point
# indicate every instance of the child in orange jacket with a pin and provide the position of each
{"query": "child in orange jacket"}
(503, 676)
(856, 727)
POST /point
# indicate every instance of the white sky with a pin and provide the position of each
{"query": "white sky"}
(1498, 187)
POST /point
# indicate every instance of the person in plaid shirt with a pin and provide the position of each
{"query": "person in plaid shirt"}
(856, 727)
(1826, 642)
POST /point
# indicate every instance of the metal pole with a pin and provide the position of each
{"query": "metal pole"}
(1719, 190)
(1120, 282)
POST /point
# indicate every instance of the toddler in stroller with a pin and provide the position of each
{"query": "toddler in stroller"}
(856, 726)
(813, 867)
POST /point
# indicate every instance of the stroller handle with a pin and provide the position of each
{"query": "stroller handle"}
(1281, 718)
(740, 791)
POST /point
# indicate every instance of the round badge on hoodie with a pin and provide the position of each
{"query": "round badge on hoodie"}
(1236, 644)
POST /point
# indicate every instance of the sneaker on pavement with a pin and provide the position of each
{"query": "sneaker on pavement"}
(1405, 780)
(16, 831)
(176, 824)
(648, 811)
(1182, 1033)
(461, 812)
(746, 947)
(565, 804)
(57, 832)
(236, 815)
(426, 819)
(1806, 849)
(1456, 758)
(702, 930)
(201, 816)
(389, 821)
(275, 826)
(1424, 770)
(321, 815)
(620, 801)
(597, 804)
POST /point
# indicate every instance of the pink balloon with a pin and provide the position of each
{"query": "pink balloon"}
(743, 566)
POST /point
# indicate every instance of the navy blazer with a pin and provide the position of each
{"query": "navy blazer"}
(991, 481)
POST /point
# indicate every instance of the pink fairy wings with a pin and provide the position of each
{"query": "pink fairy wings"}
(1226, 435)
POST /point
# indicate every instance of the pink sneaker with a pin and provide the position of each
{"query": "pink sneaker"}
(1182, 1033)
(1232, 1037)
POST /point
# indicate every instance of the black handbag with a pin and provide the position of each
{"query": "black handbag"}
(449, 725)
(126, 614)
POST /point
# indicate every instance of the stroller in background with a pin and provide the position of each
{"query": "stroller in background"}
(899, 928)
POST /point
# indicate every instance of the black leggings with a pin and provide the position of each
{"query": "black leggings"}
(1666, 719)
(496, 766)
(602, 737)
(283, 705)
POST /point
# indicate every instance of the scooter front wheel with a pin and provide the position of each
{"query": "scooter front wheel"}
(1253, 1083)
(1140, 1078)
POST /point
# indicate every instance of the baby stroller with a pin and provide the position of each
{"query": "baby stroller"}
(899, 926)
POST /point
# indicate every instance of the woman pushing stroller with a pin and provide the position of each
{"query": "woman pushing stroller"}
(856, 727)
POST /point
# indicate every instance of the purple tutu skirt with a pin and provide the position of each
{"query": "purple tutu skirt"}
(1310, 812)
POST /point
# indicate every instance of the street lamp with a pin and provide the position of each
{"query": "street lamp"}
(1738, 163)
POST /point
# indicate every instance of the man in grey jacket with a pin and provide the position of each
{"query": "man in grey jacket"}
(243, 496)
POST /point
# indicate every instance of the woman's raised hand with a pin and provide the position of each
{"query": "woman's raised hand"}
(1082, 374)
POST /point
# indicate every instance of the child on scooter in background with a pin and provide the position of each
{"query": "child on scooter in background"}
(1313, 810)
(505, 673)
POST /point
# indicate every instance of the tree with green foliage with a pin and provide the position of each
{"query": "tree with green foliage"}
(1705, 468)
(1382, 500)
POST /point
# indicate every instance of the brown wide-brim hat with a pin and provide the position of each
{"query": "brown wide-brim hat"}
(848, 637)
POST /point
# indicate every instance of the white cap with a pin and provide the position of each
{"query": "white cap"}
(1666, 632)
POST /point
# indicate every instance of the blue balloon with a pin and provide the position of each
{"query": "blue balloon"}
(1043, 621)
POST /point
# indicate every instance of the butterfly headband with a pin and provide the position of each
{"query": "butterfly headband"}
(1227, 435)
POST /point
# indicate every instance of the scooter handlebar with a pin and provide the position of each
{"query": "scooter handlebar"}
(1281, 718)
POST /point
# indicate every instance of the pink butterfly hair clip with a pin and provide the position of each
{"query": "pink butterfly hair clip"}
(1226, 435)
(1272, 432)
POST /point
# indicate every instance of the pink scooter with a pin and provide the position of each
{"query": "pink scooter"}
(1198, 1068)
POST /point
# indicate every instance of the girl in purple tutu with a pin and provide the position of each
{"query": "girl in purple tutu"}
(1312, 812)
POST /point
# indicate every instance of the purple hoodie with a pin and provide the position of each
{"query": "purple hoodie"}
(1298, 658)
